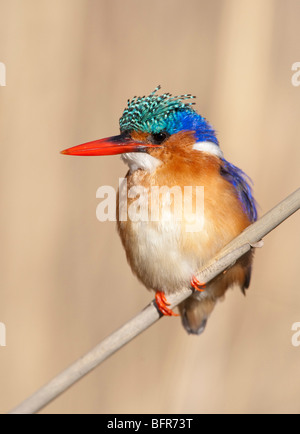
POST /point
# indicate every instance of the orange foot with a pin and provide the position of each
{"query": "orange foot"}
(198, 286)
(163, 304)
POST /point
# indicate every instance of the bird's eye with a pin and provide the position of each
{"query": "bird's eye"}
(158, 138)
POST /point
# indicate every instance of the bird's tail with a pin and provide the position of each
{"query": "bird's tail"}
(194, 314)
(196, 310)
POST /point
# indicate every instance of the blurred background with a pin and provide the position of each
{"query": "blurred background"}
(65, 283)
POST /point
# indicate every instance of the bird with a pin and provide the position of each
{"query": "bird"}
(166, 143)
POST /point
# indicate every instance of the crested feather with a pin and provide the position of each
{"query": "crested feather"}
(156, 113)
(153, 112)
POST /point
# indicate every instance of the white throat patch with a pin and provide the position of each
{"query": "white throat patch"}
(209, 147)
(140, 160)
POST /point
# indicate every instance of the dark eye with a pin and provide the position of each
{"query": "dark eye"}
(158, 138)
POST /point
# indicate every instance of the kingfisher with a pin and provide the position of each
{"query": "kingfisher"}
(166, 143)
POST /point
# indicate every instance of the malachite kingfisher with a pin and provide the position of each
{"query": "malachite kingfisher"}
(166, 143)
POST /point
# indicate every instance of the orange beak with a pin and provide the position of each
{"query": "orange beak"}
(110, 146)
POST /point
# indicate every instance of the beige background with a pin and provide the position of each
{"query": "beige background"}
(65, 283)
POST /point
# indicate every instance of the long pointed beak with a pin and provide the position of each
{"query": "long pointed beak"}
(109, 146)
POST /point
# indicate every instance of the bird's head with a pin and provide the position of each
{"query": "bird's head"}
(152, 128)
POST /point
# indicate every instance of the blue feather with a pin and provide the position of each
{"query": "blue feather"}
(190, 120)
(241, 183)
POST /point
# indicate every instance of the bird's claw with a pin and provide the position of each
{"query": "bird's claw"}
(198, 286)
(162, 304)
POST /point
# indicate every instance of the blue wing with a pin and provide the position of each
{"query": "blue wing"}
(241, 183)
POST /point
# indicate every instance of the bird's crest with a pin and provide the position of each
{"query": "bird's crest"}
(154, 112)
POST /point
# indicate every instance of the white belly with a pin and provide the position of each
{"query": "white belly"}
(154, 251)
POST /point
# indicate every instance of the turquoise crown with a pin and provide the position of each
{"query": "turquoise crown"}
(156, 113)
